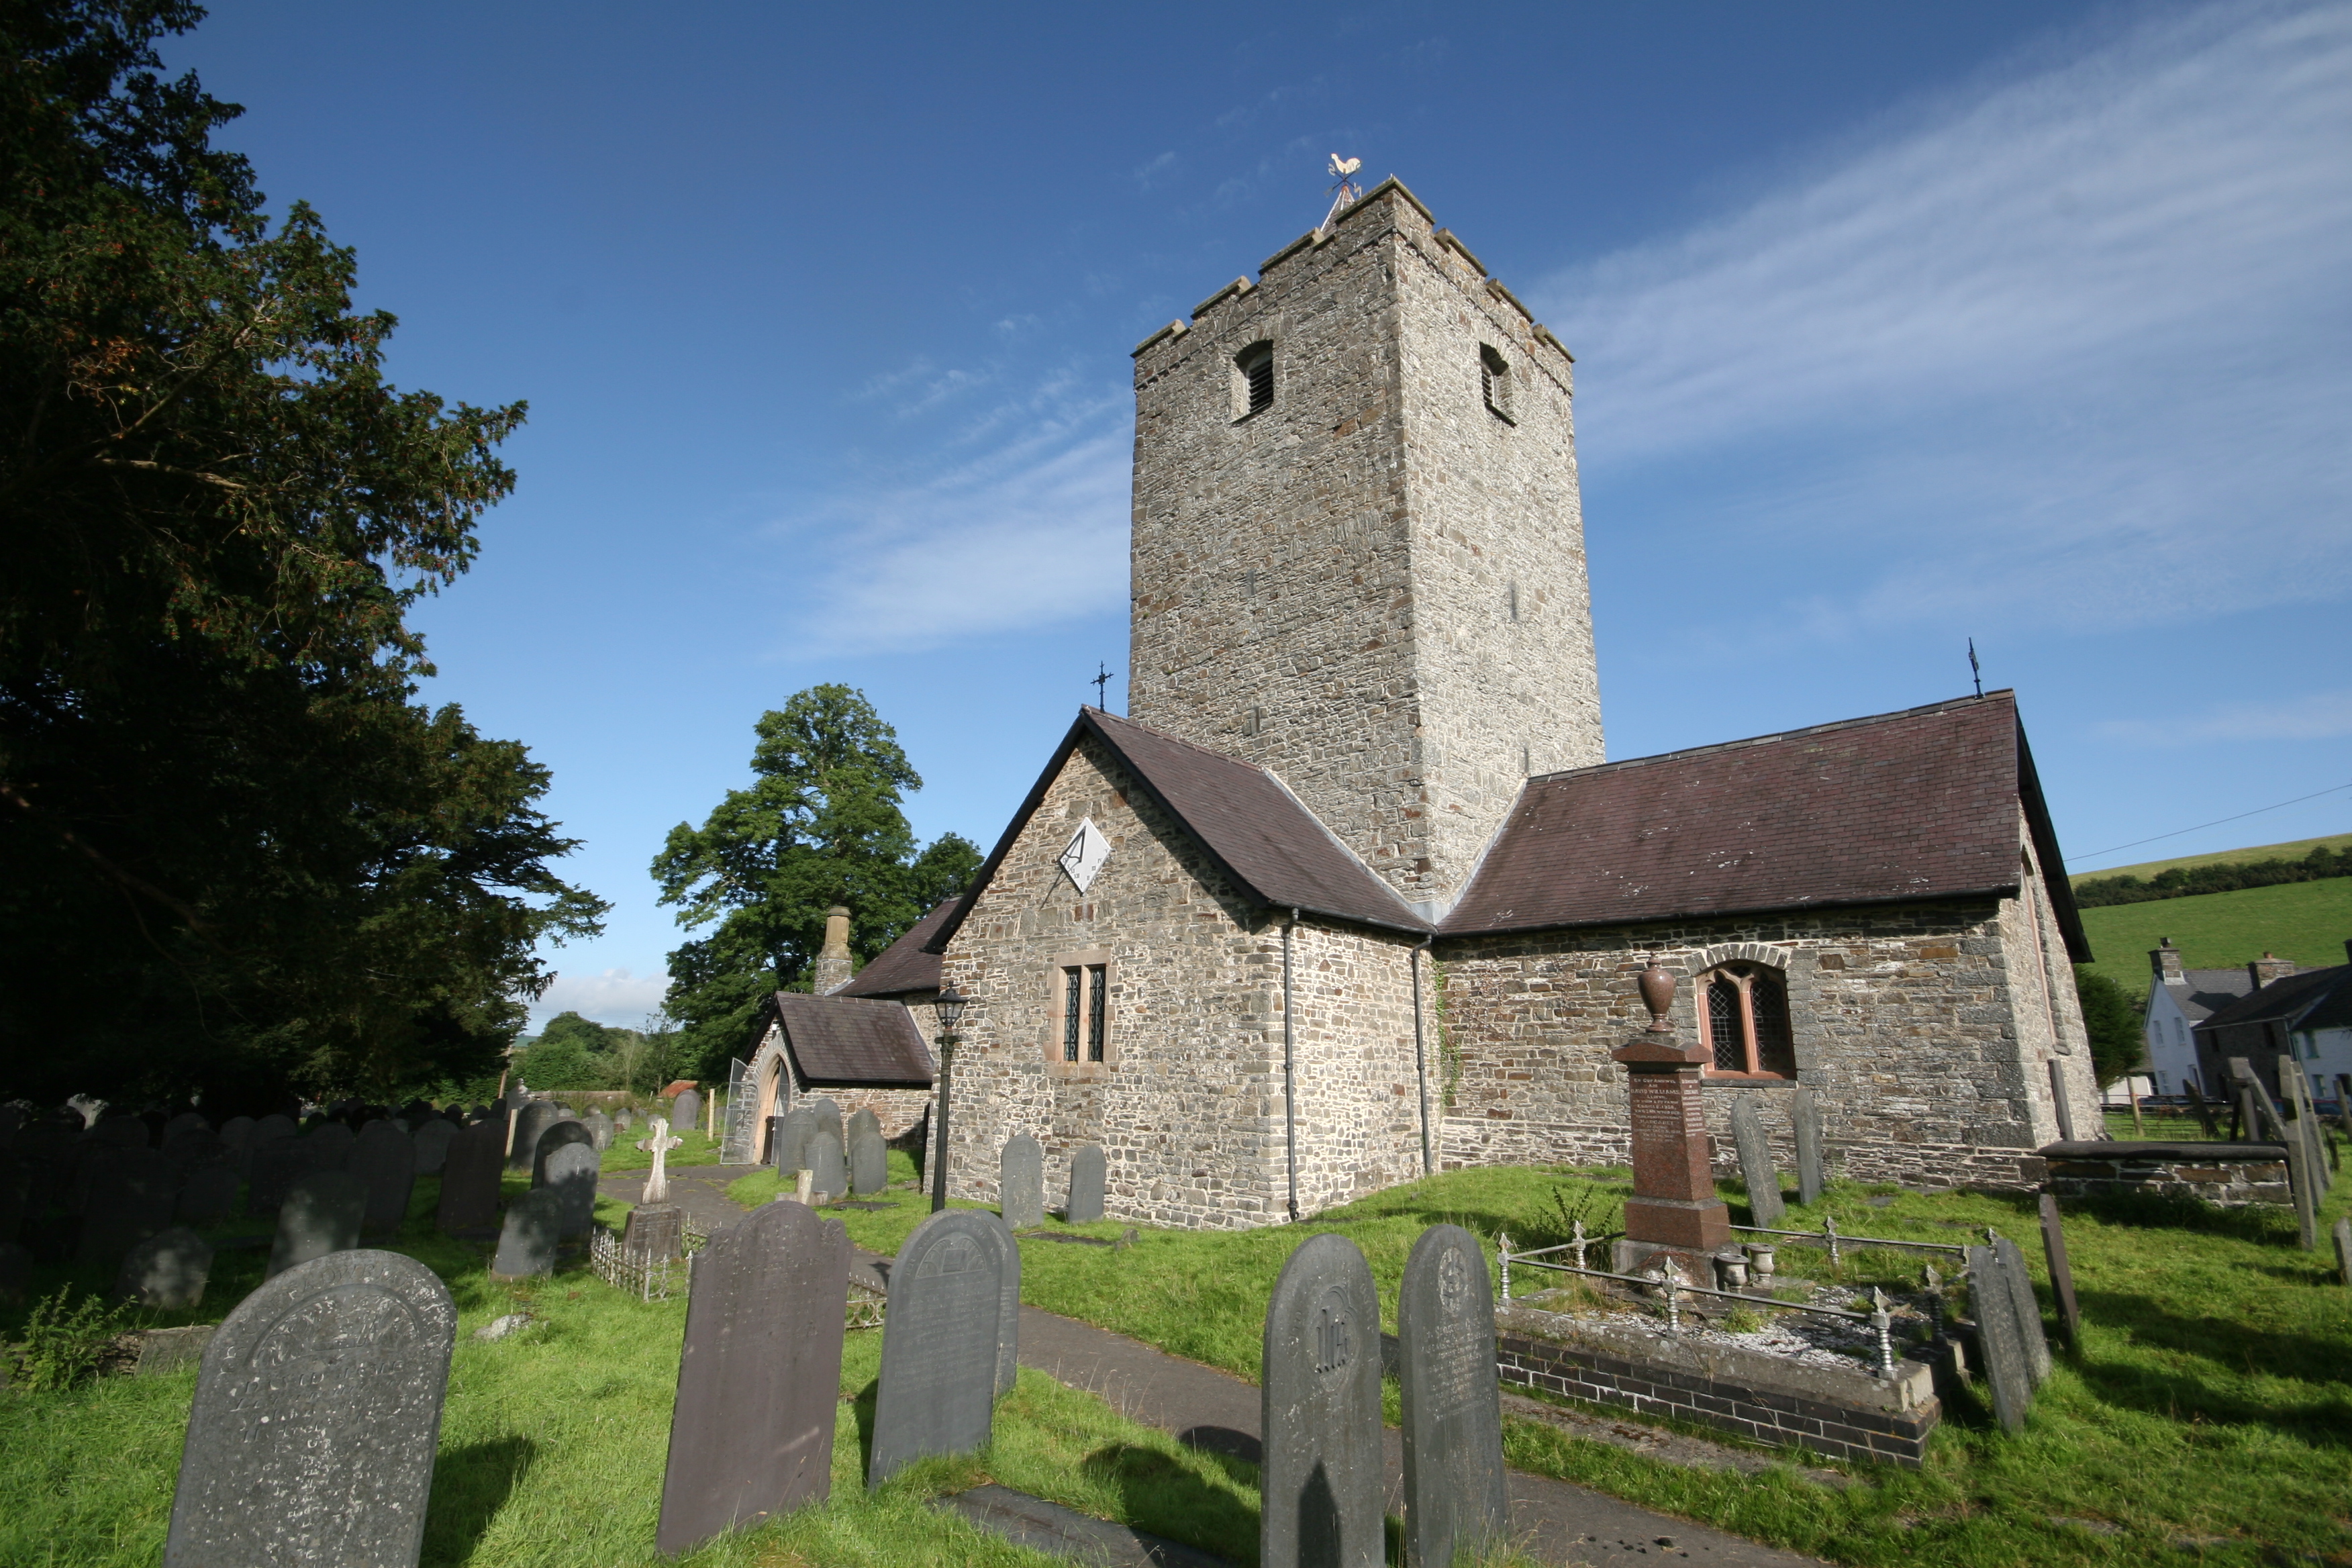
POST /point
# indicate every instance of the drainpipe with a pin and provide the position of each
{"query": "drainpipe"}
(1289, 1070)
(1421, 1057)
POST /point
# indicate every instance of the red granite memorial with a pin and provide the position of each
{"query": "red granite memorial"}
(1673, 1208)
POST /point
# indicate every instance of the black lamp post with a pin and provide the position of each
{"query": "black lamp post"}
(950, 1006)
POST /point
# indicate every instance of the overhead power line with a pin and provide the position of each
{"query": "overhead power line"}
(2217, 821)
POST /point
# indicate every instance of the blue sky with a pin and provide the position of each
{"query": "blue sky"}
(1894, 326)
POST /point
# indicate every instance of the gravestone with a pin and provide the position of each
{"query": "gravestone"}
(1453, 1495)
(625, 1120)
(1805, 1119)
(2343, 1235)
(658, 1143)
(1020, 1182)
(870, 1157)
(469, 1180)
(181, 1122)
(656, 1230)
(120, 1132)
(759, 1376)
(326, 1147)
(188, 1147)
(1673, 1209)
(317, 1414)
(557, 1136)
(237, 1137)
(210, 1195)
(2062, 1274)
(277, 1124)
(16, 1272)
(167, 1270)
(828, 1116)
(321, 1214)
(940, 1331)
(131, 1200)
(2029, 1336)
(1086, 1204)
(685, 1111)
(15, 1195)
(432, 1144)
(529, 1122)
(384, 1160)
(91, 1161)
(826, 1171)
(277, 1160)
(2000, 1344)
(791, 1140)
(570, 1174)
(527, 1245)
(1756, 1169)
(1321, 1478)
(599, 1130)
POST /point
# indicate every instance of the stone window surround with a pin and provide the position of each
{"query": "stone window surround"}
(1057, 978)
(1495, 382)
(1797, 980)
(1243, 360)
(1739, 971)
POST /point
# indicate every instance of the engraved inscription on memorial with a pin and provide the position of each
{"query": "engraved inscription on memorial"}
(1334, 1347)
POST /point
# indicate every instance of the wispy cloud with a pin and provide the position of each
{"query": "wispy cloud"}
(2318, 716)
(615, 996)
(2069, 343)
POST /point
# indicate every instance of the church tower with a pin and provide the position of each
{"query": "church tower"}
(1357, 549)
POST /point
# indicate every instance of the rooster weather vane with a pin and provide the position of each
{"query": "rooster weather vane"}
(1344, 191)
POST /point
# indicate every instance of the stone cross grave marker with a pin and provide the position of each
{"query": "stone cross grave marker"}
(432, 1145)
(827, 1171)
(759, 1376)
(1756, 1169)
(599, 1130)
(686, 1109)
(321, 1214)
(1321, 1476)
(168, 1270)
(572, 1172)
(384, 1160)
(1020, 1182)
(470, 1180)
(940, 1335)
(556, 1136)
(1453, 1490)
(1805, 1120)
(2029, 1336)
(317, 1410)
(2001, 1341)
(2062, 1274)
(531, 1120)
(131, 1200)
(210, 1195)
(658, 1143)
(1086, 1201)
(527, 1244)
(869, 1158)
(791, 1140)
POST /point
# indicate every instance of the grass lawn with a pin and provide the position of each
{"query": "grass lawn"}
(2306, 922)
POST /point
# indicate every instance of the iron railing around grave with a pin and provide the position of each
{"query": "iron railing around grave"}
(640, 1273)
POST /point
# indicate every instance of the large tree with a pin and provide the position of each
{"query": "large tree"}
(821, 825)
(237, 854)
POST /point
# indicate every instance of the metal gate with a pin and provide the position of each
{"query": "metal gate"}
(735, 1149)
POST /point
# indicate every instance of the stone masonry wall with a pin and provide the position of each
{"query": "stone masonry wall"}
(1188, 1107)
(896, 1109)
(1328, 585)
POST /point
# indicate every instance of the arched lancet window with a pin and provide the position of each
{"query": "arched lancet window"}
(1743, 1018)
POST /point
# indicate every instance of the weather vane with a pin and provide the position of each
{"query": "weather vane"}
(1343, 192)
(1976, 671)
(1101, 683)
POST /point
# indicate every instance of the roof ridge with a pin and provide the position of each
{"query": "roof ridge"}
(1159, 735)
(1948, 705)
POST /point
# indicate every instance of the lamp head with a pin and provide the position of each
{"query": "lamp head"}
(950, 1005)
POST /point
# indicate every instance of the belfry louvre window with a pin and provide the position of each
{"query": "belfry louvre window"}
(1744, 1016)
(1255, 364)
(1082, 1011)
(1495, 380)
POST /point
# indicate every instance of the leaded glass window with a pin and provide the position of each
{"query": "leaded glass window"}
(1746, 1021)
(1723, 1026)
(1097, 984)
(1074, 995)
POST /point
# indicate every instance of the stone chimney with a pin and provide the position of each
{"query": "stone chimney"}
(834, 968)
(2165, 958)
(2268, 968)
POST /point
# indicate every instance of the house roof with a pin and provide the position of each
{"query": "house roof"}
(1262, 840)
(2314, 999)
(2204, 992)
(1922, 803)
(850, 1042)
(903, 967)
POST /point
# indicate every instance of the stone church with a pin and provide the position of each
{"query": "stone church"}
(1350, 894)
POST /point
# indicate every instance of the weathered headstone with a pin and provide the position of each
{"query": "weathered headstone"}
(1020, 1182)
(571, 1173)
(181, 1122)
(2036, 1344)
(1755, 1168)
(469, 1180)
(2000, 1344)
(188, 1147)
(2062, 1274)
(827, 1171)
(527, 1245)
(277, 1124)
(167, 1270)
(277, 1160)
(759, 1376)
(657, 1230)
(561, 1134)
(939, 1339)
(657, 1143)
(120, 1132)
(237, 1137)
(828, 1115)
(384, 1160)
(1454, 1493)
(1805, 1120)
(210, 1195)
(131, 1200)
(432, 1145)
(870, 1157)
(685, 1111)
(790, 1141)
(321, 1214)
(1086, 1170)
(316, 1417)
(531, 1120)
(326, 1147)
(1321, 1478)
(169, 1350)
(599, 1130)
(2343, 1234)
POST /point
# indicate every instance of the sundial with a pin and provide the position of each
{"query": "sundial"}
(1083, 860)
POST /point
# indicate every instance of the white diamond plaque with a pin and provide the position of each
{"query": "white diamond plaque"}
(1083, 860)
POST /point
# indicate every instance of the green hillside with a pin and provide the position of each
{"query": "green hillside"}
(2306, 922)
(2295, 851)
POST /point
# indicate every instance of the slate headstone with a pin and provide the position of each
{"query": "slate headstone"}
(1756, 1169)
(277, 1124)
(2342, 1232)
(317, 1414)
(209, 1195)
(625, 1120)
(529, 1124)
(1999, 1339)
(1020, 1182)
(326, 1147)
(91, 1163)
(2062, 1274)
(527, 1245)
(131, 1200)
(432, 1145)
(827, 1115)
(384, 1160)
(656, 1230)
(469, 1180)
(181, 1122)
(759, 1376)
(557, 1135)
(686, 1111)
(169, 1350)
(321, 1214)
(870, 1157)
(120, 1132)
(1086, 1169)
(570, 1174)
(2029, 1336)
(1453, 1489)
(1805, 1120)
(167, 1270)
(827, 1171)
(1321, 1478)
(599, 1130)
(188, 1147)
(940, 1338)
(790, 1140)
(277, 1160)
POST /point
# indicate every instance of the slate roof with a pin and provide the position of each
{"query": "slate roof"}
(1897, 807)
(850, 1042)
(1271, 848)
(905, 966)
(2205, 992)
(2314, 999)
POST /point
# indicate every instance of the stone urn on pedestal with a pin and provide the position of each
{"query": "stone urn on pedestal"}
(1673, 1208)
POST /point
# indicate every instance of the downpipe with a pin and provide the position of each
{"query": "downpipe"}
(1421, 1060)
(1289, 1069)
